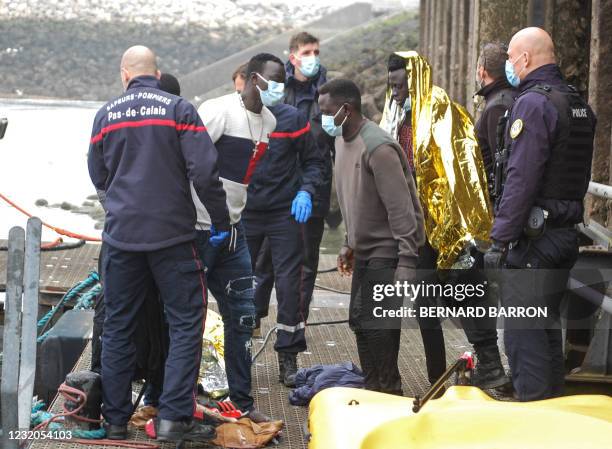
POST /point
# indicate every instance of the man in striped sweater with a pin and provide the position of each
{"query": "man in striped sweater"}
(239, 124)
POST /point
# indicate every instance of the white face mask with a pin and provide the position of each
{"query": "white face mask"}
(407, 104)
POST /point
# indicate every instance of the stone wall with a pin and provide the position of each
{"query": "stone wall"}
(600, 99)
(453, 31)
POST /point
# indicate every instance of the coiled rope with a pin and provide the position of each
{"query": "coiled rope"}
(88, 437)
(89, 282)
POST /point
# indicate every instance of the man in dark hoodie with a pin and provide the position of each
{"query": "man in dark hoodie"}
(499, 96)
(304, 76)
(146, 146)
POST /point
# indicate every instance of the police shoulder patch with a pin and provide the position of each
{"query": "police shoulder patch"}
(517, 127)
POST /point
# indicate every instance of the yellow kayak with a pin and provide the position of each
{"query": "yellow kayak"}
(464, 417)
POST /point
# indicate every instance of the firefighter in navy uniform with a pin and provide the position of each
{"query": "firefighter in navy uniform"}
(146, 146)
(542, 174)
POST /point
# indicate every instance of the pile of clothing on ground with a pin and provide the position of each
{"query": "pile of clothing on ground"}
(309, 381)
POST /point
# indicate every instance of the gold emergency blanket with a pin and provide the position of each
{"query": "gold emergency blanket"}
(213, 378)
(451, 178)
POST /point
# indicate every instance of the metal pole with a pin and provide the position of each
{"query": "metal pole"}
(590, 294)
(12, 325)
(27, 362)
(600, 190)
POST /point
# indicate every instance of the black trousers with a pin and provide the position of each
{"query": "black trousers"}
(377, 341)
(537, 276)
(151, 338)
(480, 332)
(286, 247)
(179, 276)
(312, 234)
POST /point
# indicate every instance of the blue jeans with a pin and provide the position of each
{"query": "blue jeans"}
(230, 280)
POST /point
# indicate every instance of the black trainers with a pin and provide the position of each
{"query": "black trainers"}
(166, 430)
(287, 368)
(489, 372)
(114, 432)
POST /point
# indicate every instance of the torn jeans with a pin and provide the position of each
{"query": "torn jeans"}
(230, 280)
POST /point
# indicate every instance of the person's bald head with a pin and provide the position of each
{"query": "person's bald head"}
(529, 49)
(138, 61)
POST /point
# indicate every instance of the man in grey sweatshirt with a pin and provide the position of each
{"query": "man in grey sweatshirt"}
(384, 228)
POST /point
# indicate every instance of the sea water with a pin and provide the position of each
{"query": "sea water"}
(44, 156)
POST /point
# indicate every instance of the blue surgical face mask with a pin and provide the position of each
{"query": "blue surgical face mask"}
(274, 94)
(310, 65)
(329, 125)
(511, 75)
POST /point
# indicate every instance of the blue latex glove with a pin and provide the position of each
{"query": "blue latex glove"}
(217, 238)
(301, 208)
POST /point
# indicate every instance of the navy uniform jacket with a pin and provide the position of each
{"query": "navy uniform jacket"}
(530, 151)
(145, 147)
(304, 96)
(292, 162)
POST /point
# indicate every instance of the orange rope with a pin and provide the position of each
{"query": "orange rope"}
(54, 228)
(58, 241)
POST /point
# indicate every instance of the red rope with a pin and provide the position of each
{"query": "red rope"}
(58, 241)
(79, 397)
(54, 228)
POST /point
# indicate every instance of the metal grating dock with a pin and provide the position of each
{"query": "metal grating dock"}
(59, 270)
(327, 345)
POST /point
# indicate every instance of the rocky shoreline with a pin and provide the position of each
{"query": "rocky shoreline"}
(91, 207)
(71, 49)
(81, 61)
(360, 55)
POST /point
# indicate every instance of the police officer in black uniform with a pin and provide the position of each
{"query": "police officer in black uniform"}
(499, 97)
(542, 175)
